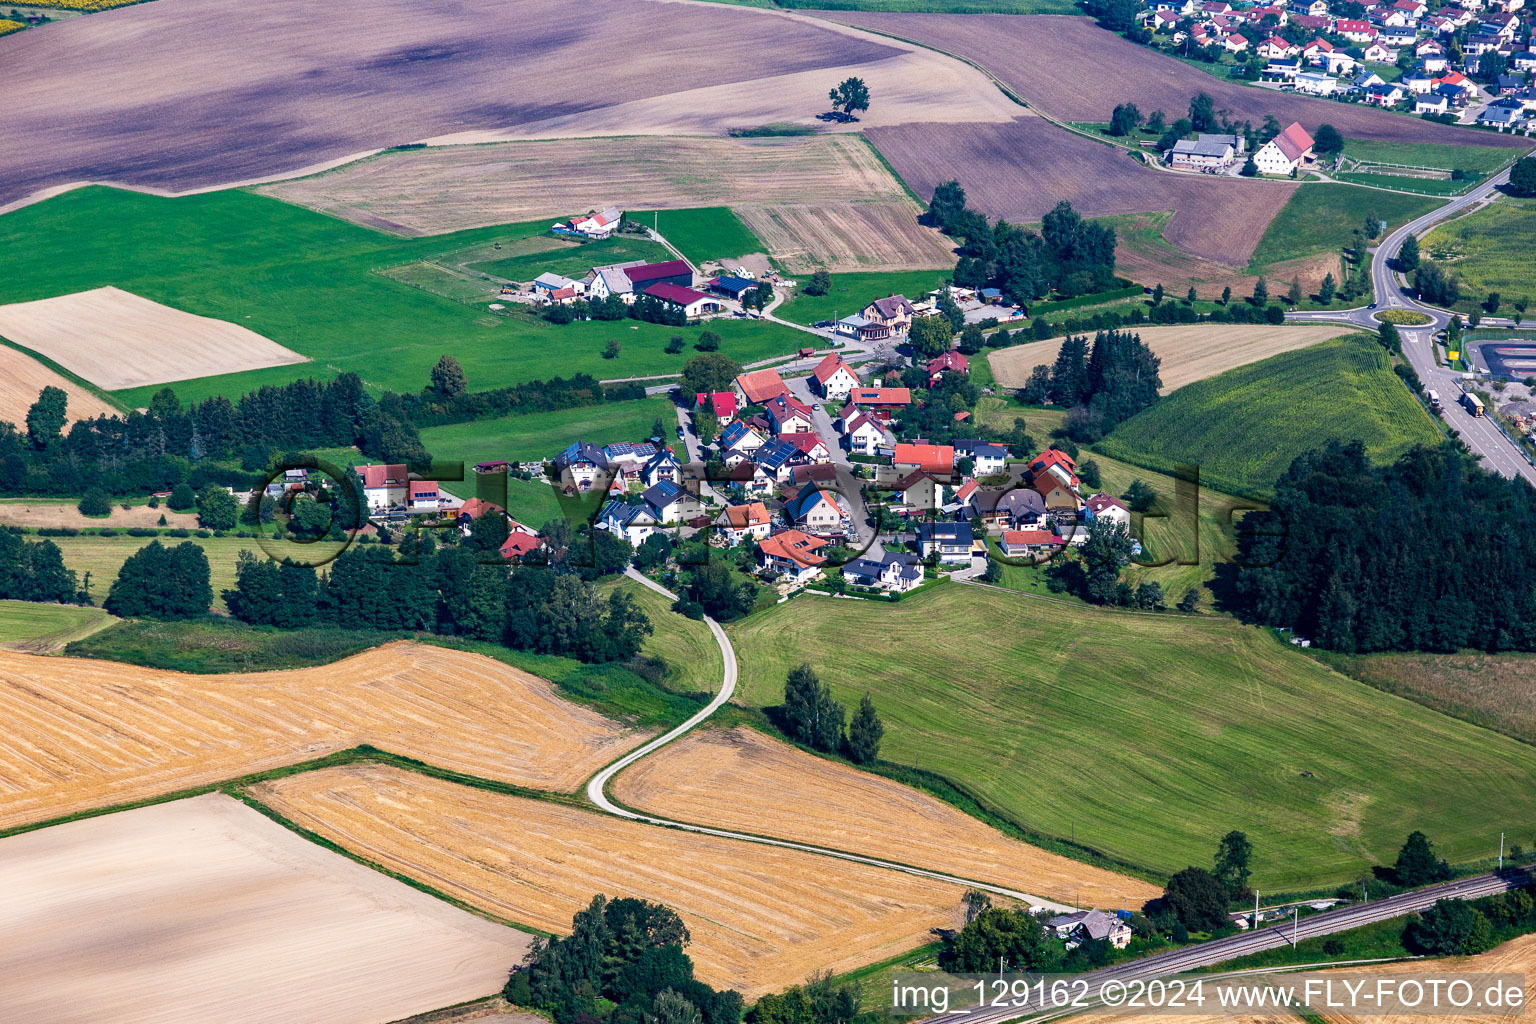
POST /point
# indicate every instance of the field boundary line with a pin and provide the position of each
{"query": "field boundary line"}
(67, 374)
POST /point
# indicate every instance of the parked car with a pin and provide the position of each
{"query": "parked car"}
(680, 434)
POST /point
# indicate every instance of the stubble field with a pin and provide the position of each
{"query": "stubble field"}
(1189, 352)
(743, 780)
(760, 918)
(116, 339)
(85, 734)
(22, 378)
(1022, 169)
(1076, 71)
(90, 102)
(814, 200)
(54, 512)
(204, 910)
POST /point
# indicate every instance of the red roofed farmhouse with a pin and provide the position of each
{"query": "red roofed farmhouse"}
(1285, 152)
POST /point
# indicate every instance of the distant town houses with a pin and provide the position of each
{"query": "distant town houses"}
(834, 379)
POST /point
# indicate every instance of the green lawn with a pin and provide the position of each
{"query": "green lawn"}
(1150, 736)
(1486, 159)
(574, 259)
(1321, 218)
(708, 233)
(1490, 251)
(40, 627)
(852, 292)
(306, 281)
(1423, 186)
(1243, 428)
(542, 435)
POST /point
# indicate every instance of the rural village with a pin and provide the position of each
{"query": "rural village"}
(1002, 509)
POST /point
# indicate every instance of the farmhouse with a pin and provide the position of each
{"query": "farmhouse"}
(556, 288)
(893, 311)
(1285, 152)
(791, 554)
(597, 225)
(834, 379)
(946, 542)
(741, 523)
(625, 279)
(1200, 154)
(383, 486)
(759, 387)
(889, 571)
(694, 304)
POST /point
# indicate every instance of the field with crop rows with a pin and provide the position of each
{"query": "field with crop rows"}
(1201, 725)
(171, 731)
(1243, 427)
(1490, 251)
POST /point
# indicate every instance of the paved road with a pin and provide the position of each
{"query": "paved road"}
(1206, 954)
(1481, 434)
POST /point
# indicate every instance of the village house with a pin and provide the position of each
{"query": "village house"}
(834, 379)
(634, 523)
(947, 543)
(778, 459)
(1502, 114)
(917, 493)
(1017, 508)
(948, 362)
(664, 465)
(1416, 83)
(1235, 43)
(891, 571)
(759, 387)
(425, 497)
(668, 502)
(1281, 69)
(1431, 103)
(987, 459)
(1378, 53)
(1314, 83)
(582, 465)
(893, 311)
(1355, 31)
(861, 329)
(1109, 508)
(384, 486)
(788, 415)
(741, 523)
(1082, 926)
(1384, 94)
(881, 403)
(1285, 152)
(1032, 544)
(1337, 62)
(1274, 46)
(598, 225)
(817, 512)
(863, 434)
(809, 443)
(721, 403)
(520, 541)
(557, 288)
(465, 515)
(792, 555)
(738, 441)
(938, 459)
(630, 455)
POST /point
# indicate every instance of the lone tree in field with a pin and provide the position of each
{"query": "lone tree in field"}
(1408, 255)
(1416, 862)
(819, 284)
(1328, 289)
(1522, 177)
(448, 380)
(1261, 293)
(1233, 855)
(850, 94)
(948, 204)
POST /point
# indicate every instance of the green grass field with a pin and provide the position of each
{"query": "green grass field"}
(1321, 218)
(222, 645)
(542, 435)
(1415, 154)
(306, 281)
(1423, 186)
(686, 645)
(1490, 251)
(1243, 428)
(852, 292)
(574, 259)
(1148, 736)
(707, 233)
(44, 627)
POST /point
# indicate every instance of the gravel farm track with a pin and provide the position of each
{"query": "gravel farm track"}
(1075, 71)
(1021, 169)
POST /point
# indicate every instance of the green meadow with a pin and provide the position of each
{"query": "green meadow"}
(851, 292)
(1490, 251)
(542, 435)
(31, 626)
(1148, 736)
(1243, 428)
(707, 233)
(308, 282)
(1321, 218)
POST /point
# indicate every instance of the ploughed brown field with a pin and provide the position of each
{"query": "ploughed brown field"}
(82, 734)
(205, 911)
(1020, 170)
(268, 88)
(1074, 70)
(1189, 352)
(761, 918)
(824, 200)
(748, 782)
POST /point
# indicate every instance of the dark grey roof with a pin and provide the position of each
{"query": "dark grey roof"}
(662, 493)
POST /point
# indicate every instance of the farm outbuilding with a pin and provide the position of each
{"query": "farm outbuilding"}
(732, 287)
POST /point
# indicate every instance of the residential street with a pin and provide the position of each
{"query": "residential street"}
(1481, 434)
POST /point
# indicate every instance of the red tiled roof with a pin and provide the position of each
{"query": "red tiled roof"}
(806, 441)
(949, 361)
(829, 366)
(753, 513)
(880, 396)
(795, 546)
(1294, 141)
(1099, 502)
(1019, 538)
(760, 386)
(519, 544)
(931, 458)
(474, 508)
(392, 475)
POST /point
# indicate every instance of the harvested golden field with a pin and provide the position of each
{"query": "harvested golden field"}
(824, 200)
(1189, 352)
(749, 782)
(205, 911)
(83, 734)
(22, 378)
(50, 512)
(761, 918)
(116, 339)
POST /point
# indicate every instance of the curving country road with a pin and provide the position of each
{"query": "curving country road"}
(1481, 434)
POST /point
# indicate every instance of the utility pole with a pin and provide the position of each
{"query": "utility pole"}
(1295, 925)
(1255, 910)
(1501, 851)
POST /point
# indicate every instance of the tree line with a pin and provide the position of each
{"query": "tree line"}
(1365, 558)
(1101, 385)
(1069, 256)
(33, 570)
(811, 715)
